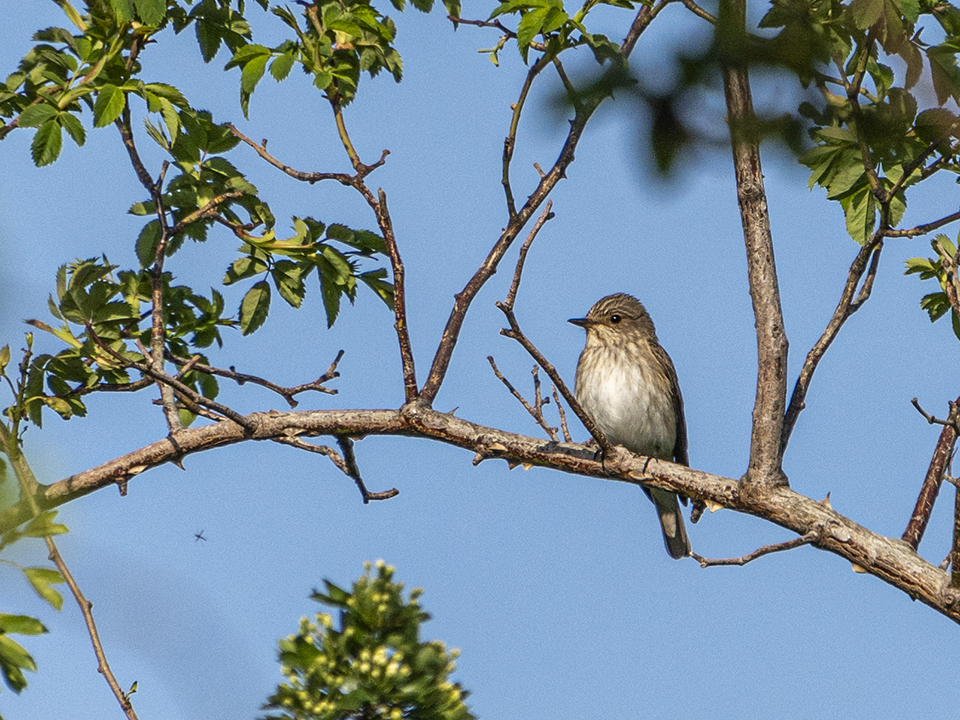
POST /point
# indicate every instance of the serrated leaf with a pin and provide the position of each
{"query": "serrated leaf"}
(74, 128)
(36, 115)
(242, 268)
(42, 580)
(152, 12)
(108, 105)
(280, 68)
(252, 72)
(47, 142)
(254, 307)
(147, 243)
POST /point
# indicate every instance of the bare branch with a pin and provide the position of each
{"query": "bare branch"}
(86, 608)
(845, 308)
(563, 416)
(463, 299)
(400, 325)
(346, 447)
(770, 404)
(287, 393)
(933, 480)
(522, 258)
(760, 552)
(922, 229)
(535, 412)
(889, 559)
(309, 177)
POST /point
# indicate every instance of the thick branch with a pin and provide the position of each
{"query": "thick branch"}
(768, 410)
(889, 559)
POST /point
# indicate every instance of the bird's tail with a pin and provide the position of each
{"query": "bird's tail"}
(671, 521)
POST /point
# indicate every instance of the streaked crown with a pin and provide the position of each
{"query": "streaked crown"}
(618, 313)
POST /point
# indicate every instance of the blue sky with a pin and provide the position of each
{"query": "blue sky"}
(555, 588)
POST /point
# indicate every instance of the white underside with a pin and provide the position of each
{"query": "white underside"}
(626, 408)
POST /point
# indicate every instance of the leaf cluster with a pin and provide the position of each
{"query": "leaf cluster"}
(104, 314)
(334, 41)
(14, 658)
(942, 268)
(373, 665)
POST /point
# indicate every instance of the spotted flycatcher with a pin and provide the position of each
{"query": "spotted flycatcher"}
(628, 386)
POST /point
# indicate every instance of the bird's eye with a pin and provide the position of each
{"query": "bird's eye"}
(615, 318)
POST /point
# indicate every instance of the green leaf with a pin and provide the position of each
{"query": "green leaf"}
(108, 105)
(46, 144)
(861, 212)
(254, 307)
(13, 657)
(147, 243)
(74, 127)
(36, 115)
(21, 624)
(43, 525)
(152, 12)
(243, 268)
(252, 72)
(4, 358)
(280, 68)
(123, 9)
(42, 580)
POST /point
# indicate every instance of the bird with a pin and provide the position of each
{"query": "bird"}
(627, 384)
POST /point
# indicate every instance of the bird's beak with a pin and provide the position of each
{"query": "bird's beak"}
(582, 322)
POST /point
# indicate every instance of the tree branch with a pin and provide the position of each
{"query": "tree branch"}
(769, 407)
(548, 180)
(287, 393)
(845, 308)
(760, 552)
(891, 560)
(535, 411)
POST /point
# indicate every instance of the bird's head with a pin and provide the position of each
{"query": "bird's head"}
(615, 318)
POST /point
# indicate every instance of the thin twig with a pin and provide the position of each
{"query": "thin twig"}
(484, 23)
(309, 177)
(955, 555)
(699, 11)
(933, 480)
(845, 308)
(86, 608)
(562, 414)
(535, 412)
(952, 418)
(922, 229)
(158, 329)
(346, 447)
(514, 332)
(463, 299)
(10, 446)
(522, 258)
(186, 391)
(511, 139)
(287, 393)
(760, 552)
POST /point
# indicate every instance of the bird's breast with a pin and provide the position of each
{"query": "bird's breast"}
(629, 399)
